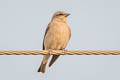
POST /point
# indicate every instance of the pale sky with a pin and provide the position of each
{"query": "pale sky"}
(95, 25)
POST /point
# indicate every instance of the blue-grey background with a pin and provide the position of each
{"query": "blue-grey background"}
(95, 25)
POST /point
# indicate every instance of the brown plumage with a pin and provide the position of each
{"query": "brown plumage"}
(56, 37)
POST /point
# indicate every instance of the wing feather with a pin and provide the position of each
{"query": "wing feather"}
(45, 35)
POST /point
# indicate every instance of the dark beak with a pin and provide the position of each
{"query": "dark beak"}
(67, 15)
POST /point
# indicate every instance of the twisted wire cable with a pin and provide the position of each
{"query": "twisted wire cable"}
(60, 52)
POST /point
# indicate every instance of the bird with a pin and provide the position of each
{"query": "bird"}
(57, 36)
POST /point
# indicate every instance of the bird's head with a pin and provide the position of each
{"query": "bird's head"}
(60, 15)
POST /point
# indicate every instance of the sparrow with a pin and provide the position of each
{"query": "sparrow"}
(56, 37)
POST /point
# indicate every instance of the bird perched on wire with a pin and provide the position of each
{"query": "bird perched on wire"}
(56, 37)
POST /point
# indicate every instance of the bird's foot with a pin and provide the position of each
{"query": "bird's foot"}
(64, 51)
(49, 51)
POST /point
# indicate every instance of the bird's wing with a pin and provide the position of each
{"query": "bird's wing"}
(69, 33)
(46, 57)
(45, 35)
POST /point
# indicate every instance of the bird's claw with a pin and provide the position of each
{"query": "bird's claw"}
(64, 51)
(49, 51)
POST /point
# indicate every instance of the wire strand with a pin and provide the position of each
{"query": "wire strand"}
(60, 52)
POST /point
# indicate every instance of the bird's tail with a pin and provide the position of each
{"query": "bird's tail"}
(54, 58)
(43, 64)
(42, 68)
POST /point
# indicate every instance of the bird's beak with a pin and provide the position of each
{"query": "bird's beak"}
(67, 14)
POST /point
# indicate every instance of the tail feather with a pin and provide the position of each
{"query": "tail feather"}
(43, 64)
(54, 58)
(42, 68)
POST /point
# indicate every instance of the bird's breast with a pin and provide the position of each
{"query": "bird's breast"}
(57, 36)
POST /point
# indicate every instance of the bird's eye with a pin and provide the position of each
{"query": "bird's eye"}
(59, 14)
